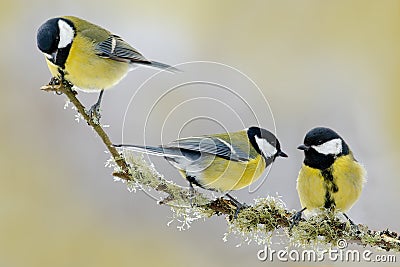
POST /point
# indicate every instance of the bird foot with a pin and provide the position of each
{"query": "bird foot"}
(295, 219)
(239, 206)
(354, 227)
(94, 113)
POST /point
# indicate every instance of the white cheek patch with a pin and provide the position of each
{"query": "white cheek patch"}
(333, 147)
(66, 34)
(266, 148)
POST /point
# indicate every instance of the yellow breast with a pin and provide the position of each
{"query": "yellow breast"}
(310, 187)
(349, 178)
(348, 175)
(224, 175)
(87, 71)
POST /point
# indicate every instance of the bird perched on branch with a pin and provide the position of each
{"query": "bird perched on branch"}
(220, 162)
(88, 56)
(330, 177)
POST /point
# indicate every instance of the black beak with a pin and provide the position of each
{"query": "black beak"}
(303, 147)
(282, 154)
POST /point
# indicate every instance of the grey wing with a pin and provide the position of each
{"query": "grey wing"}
(211, 145)
(117, 49)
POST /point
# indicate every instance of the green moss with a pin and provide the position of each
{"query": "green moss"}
(146, 176)
(258, 222)
(323, 228)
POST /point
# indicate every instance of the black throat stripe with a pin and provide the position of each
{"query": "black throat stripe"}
(330, 188)
(62, 55)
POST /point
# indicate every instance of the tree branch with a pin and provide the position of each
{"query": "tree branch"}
(257, 221)
(66, 88)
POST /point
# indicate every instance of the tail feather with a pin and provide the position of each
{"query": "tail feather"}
(157, 151)
(151, 150)
(159, 65)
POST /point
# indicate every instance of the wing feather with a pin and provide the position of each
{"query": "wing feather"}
(211, 145)
(114, 47)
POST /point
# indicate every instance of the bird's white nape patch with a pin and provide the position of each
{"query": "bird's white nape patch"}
(66, 34)
(333, 147)
(266, 148)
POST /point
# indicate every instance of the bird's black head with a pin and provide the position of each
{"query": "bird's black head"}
(265, 143)
(48, 36)
(322, 146)
(54, 39)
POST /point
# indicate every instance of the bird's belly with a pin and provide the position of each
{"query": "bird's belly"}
(91, 74)
(348, 176)
(96, 75)
(223, 175)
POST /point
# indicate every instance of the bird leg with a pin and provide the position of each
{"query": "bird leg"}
(353, 225)
(350, 221)
(94, 111)
(191, 194)
(296, 218)
(239, 206)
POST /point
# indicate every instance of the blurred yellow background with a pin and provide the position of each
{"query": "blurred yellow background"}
(332, 63)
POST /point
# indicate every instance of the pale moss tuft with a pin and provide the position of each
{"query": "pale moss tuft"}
(146, 176)
(258, 222)
(323, 228)
(142, 172)
(183, 217)
(372, 239)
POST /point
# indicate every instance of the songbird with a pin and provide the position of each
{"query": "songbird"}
(220, 162)
(88, 56)
(330, 177)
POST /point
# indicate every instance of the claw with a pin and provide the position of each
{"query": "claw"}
(239, 206)
(353, 225)
(296, 219)
(54, 81)
(94, 113)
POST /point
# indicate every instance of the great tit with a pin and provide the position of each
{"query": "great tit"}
(330, 177)
(88, 56)
(220, 162)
